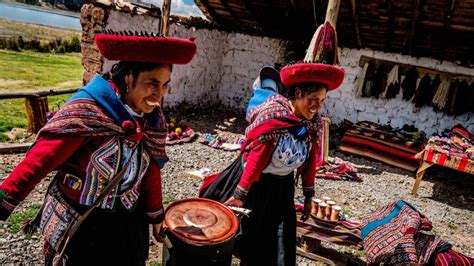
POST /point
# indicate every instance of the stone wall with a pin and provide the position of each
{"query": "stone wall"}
(343, 103)
(222, 71)
(226, 63)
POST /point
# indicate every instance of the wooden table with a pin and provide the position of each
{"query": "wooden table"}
(431, 156)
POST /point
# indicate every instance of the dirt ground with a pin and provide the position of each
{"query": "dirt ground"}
(445, 196)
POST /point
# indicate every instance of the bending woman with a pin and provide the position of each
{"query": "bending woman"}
(282, 137)
(112, 129)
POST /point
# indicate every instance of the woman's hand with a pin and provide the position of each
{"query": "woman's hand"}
(307, 208)
(156, 232)
(234, 202)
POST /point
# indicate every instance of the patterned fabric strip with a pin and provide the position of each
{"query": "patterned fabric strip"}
(341, 233)
(84, 118)
(272, 119)
(452, 257)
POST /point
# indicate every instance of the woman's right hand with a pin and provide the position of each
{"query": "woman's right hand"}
(234, 202)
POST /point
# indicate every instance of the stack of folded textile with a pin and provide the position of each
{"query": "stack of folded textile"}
(394, 147)
(392, 235)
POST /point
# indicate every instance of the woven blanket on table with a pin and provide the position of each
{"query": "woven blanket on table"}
(340, 232)
(369, 144)
(391, 234)
(432, 154)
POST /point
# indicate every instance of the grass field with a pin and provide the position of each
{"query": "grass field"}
(26, 71)
(9, 28)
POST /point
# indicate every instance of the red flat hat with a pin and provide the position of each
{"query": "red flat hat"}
(300, 73)
(144, 48)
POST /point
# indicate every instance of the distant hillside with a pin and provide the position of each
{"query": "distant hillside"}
(28, 31)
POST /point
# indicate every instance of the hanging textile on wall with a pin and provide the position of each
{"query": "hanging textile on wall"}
(369, 80)
(453, 91)
(360, 81)
(441, 96)
(447, 92)
(434, 88)
(462, 100)
(409, 84)
(423, 91)
(393, 83)
(380, 81)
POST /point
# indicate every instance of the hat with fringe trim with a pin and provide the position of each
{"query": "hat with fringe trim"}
(144, 47)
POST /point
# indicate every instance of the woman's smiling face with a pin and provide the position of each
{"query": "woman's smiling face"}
(146, 91)
(307, 105)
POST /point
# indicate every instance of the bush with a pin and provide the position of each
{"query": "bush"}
(21, 42)
(61, 49)
(3, 137)
(71, 45)
(12, 44)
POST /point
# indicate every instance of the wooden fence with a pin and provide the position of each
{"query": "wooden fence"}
(36, 104)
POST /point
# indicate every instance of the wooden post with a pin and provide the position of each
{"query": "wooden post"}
(165, 17)
(36, 109)
(332, 11)
(165, 27)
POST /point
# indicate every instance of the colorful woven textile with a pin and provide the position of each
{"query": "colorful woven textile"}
(273, 119)
(452, 257)
(432, 154)
(188, 135)
(338, 171)
(340, 232)
(391, 235)
(221, 142)
(453, 150)
(380, 145)
(96, 110)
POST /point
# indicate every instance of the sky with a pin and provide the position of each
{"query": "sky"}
(180, 7)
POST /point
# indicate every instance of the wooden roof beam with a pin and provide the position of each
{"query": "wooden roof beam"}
(229, 9)
(356, 23)
(390, 25)
(411, 37)
(249, 7)
(208, 10)
(433, 24)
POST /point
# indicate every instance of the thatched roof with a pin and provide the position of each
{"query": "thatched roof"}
(441, 29)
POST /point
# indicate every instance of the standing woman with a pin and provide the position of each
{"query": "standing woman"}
(112, 129)
(282, 137)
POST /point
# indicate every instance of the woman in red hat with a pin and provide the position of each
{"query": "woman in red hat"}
(282, 137)
(107, 144)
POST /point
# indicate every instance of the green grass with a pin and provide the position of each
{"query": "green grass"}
(29, 70)
(167, 199)
(15, 221)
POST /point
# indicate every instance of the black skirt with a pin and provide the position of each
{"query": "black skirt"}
(268, 235)
(109, 238)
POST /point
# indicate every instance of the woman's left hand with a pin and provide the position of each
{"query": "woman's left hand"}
(156, 232)
(307, 208)
(234, 202)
